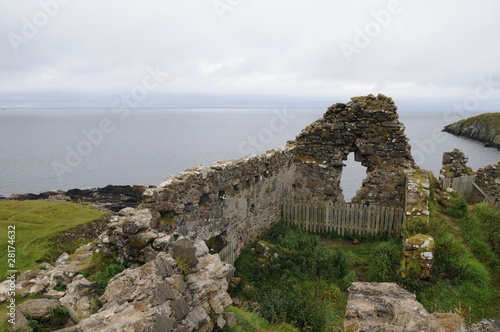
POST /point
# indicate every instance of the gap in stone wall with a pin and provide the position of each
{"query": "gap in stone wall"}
(352, 178)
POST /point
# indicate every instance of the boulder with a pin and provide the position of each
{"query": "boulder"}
(155, 296)
(38, 308)
(486, 325)
(162, 242)
(388, 307)
(81, 298)
(137, 221)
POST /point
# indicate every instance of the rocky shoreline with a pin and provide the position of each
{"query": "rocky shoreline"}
(113, 198)
(483, 128)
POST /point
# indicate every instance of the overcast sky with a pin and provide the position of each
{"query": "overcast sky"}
(427, 55)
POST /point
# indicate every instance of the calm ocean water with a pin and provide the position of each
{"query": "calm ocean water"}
(50, 149)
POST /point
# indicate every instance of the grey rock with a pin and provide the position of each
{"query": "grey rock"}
(184, 248)
(38, 308)
(161, 243)
(230, 319)
(137, 221)
(21, 323)
(388, 307)
(180, 308)
(63, 259)
(142, 239)
(53, 294)
(486, 325)
(81, 299)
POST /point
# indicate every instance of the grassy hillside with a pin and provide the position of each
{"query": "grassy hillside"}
(484, 128)
(37, 224)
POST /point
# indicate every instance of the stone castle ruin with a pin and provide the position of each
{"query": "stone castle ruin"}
(175, 282)
(238, 200)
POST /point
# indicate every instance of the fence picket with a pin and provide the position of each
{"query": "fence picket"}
(342, 218)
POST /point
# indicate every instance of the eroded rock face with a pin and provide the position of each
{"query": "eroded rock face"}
(389, 308)
(157, 296)
(81, 298)
(483, 128)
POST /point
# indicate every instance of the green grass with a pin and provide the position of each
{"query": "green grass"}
(465, 273)
(37, 224)
(252, 322)
(293, 288)
(101, 269)
(303, 283)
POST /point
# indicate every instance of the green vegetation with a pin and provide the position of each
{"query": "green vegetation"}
(252, 322)
(300, 281)
(60, 286)
(101, 269)
(303, 279)
(58, 318)
(183, 264)
(463, 277)
(37, 224)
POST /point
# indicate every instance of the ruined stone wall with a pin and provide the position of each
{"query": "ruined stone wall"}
(236, 200)
(488, 179)
(454, 165)
(369, 128)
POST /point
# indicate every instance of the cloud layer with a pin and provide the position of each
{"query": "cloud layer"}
(425, 54)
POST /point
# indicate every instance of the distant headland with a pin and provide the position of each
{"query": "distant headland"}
(483, 128)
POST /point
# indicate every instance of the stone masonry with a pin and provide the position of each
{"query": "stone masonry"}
(238, 200)
(369, 128)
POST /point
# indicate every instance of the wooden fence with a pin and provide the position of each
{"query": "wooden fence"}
(342, 218)
(467, 187)
(228, 255)
(462, 184)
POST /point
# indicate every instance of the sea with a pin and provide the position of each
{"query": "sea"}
(60, 149)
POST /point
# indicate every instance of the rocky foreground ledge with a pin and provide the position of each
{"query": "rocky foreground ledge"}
(389, 308)
(483, 128)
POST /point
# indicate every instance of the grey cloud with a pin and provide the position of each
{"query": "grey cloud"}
(90, 51)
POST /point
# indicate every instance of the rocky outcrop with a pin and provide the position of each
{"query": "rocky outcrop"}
(162, 295)
(389, 308)
(81, 298)
(484, 128)
(181, 287)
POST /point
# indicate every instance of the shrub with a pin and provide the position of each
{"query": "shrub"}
(102, 268)
(386, 260)
(489, 222)
(298, 284)
(60, 286)
(458, 208)
(183, 264)
(58, 318)
(103, 277)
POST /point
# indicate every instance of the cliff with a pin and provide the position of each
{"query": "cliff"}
(484, 128)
